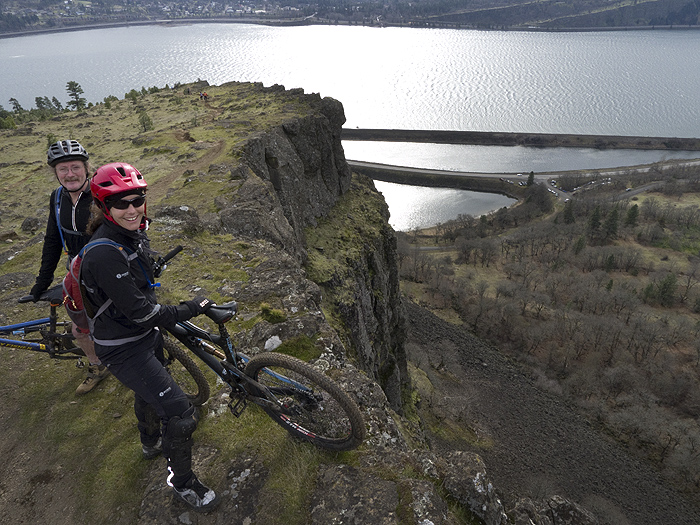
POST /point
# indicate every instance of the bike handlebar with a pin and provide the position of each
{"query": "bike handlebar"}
(172, 253)
(160, 264)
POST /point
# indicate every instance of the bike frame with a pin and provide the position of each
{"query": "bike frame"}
(21, 329)
(46, 327)
(230, 369)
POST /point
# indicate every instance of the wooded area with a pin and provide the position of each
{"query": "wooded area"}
(599, 298)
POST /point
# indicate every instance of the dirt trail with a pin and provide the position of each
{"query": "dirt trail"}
(541, 446)
(160, 186)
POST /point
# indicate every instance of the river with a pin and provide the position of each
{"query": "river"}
(612, 83)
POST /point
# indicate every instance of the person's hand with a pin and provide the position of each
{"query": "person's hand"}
(36, 292)
(198, 305)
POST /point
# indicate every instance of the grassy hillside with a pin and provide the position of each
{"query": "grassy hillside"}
(77, 459)
(244, 180)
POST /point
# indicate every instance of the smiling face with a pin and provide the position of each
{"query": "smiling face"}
(130, 217)
(71, 175)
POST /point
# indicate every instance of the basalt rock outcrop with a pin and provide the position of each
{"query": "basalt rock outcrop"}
(291, 179)
(331, 260)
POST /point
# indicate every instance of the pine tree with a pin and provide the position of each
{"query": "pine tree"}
(16, 107)
(594, 221)
(145, 121)
(610, 225)
(74, 91)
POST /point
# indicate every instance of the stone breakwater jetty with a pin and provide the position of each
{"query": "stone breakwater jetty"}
(542, 140)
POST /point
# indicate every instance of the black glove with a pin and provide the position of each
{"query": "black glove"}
(198, 305)
(36, 292)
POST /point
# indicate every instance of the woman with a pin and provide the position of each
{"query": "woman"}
(126, 334)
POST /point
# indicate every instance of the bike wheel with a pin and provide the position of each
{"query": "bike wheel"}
(186, 373)
(315, 408)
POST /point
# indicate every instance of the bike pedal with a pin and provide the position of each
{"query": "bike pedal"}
(79, 363)
(238, 408)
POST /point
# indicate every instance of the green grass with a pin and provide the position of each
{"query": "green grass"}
(356, 222)
(94, 437)
(272, 315)
(301, 347)
(108, 459)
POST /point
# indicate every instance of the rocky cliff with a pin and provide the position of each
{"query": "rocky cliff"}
(298, 194)
(254, 183)
(295, 175)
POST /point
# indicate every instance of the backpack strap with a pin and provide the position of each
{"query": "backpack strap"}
(57, 207)
(87, 305)
(61, 230)
(130, 256)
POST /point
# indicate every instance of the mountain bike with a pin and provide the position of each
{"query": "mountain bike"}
(53, 337)
(304, 401)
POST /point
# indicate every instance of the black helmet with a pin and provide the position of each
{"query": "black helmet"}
(65, 150)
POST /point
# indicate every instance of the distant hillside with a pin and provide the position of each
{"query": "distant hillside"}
(38, 15)
(551, 14)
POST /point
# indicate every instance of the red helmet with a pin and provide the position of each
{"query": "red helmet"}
(113, 181)
(115, 178)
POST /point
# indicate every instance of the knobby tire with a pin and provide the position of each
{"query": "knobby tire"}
(329, 418)
(188, 376)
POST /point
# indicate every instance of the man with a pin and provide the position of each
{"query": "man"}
(69, 212)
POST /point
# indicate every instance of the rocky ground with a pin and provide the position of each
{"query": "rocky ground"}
(532, 445)
(539, 446)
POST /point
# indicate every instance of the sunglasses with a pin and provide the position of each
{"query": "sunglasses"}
(123, 204)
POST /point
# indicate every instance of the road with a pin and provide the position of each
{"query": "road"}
(447, 178)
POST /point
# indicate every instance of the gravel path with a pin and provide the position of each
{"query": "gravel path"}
(541, 446)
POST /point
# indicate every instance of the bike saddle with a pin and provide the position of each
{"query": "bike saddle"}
(53, 296)
(222, 313)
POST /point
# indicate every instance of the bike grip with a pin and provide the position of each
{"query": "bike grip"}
(172, 253)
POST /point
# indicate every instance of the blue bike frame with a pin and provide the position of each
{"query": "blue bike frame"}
(20, 329)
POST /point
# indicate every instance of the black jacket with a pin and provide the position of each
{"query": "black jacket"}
(107, 274)
(74, 220)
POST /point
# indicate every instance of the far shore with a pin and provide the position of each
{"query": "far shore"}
(316, 21)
